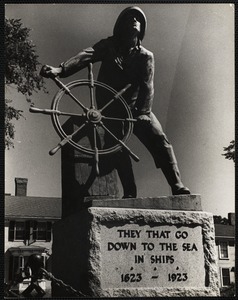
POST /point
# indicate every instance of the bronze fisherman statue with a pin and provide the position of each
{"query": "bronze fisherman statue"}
(125, 61)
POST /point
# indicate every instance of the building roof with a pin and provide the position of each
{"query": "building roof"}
(225, 231)
(32, 207)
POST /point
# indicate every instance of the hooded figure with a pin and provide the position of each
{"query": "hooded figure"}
(125, 61)
(140, 16)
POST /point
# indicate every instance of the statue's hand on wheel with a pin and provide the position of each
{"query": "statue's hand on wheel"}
(144, 118)
(50, 72)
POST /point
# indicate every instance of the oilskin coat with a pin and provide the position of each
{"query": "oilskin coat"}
(119, 68)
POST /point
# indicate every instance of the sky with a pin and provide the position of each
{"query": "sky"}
(193, 45)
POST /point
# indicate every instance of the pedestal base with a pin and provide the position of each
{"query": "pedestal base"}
(137, 252)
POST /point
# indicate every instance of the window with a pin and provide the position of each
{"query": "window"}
(30, 230)
(223, 250)
(42, 231)
(20, 231)
(225, 276)
(16, 230)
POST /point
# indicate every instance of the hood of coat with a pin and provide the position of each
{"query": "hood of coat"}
(140, 16)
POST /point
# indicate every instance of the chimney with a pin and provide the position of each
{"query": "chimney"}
(20, 186)
(231, 218)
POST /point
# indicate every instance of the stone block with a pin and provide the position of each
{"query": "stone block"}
(136, 252)
(79, 179)
(179, 202)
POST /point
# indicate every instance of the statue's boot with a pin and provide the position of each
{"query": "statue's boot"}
(171, 173)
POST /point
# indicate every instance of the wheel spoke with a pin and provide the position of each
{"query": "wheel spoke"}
(116, 97)
(78, 102)
(54, 111)
(119, 119)
(67, 91)
(96, 156)
(134, 156)
(71, 114)
(91, 85)
(66, 139)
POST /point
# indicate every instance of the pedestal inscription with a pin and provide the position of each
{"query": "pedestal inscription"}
(135, 252)
(144, 256)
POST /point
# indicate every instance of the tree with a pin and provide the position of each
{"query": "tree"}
(20, 71)
(230, 151)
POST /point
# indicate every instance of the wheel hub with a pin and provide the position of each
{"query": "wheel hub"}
(94, 116)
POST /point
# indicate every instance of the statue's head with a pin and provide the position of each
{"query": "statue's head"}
(131, 19)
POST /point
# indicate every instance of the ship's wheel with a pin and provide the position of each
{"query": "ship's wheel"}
(96, 121)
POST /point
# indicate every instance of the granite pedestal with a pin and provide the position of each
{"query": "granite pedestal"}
(150, 247)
